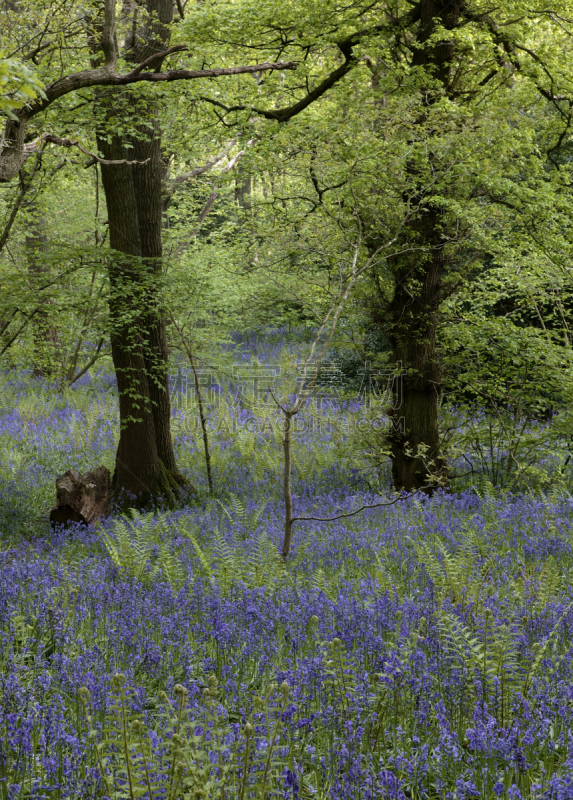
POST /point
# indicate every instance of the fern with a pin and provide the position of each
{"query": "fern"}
(264, 566)
(450, 574)
(171, 568)
(239, 516)
(228, 563)
(541, 652)
(485, 658)
(320, 583)
(380, 574)
(196, 755)
(340, 671)
(201, 555)
(130, 548)
(492, 658)
(227, 566)
(548, 586)
(484, 489)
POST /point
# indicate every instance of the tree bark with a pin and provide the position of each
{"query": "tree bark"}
(415, 438)
(414, 310)
(145, 461)
(148, 186)
(44, 332)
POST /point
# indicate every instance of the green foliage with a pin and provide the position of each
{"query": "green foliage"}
(136, 548)
(491, 660)
(506, 347)
(18, 85)
(130, 548)
(194, 752)
(228, 563)
(238, 515)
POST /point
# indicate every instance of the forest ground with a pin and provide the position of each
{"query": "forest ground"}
(422, 650)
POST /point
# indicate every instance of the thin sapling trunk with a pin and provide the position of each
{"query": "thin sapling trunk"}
(202, 417)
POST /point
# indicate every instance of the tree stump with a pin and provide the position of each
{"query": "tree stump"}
(81, 498)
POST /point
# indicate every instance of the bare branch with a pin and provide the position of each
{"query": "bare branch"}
(90, 363)
(211, 199)
(363, 508)
(31, 148)
(176, 183)
(178, 48)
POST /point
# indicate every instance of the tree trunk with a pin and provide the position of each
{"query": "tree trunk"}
(145, 461)
(243, 189)
(414, 310)
(44, 332)
(415, 439)
(148, 186)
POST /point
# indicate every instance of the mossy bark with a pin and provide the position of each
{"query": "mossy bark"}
(412, 321)
(145, 461)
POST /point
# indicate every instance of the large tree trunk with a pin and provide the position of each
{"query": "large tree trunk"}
(415, 438)
(145, 462)
(414, 310)
(148, 185)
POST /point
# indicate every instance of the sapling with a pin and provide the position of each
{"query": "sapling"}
(202, 417)
(318, 350)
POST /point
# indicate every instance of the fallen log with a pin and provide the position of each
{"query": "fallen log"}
(81, 498)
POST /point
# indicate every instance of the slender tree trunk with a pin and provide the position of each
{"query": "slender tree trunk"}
(287, 476)
(44, 332)
(243, 188)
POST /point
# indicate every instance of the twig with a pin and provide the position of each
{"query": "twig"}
(363, 508)
(90, 363)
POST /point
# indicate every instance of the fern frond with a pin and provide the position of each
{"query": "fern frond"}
(172, 568)
(264, 566)
(256, 515)
(541, 652)
(201, 555)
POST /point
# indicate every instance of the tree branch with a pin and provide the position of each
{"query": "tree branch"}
(363, 508)
(108, 37)
(284, 114)
(211, 200)
(14, 152)
(62, 142)
(103, 77)
(177, 182)
(178, 48)
(90, 363)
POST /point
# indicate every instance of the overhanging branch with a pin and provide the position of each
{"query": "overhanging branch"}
(31, 147)
(13, 148)
(103, 77)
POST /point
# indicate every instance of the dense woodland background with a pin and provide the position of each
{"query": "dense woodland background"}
(402, 165)
(370, 203)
